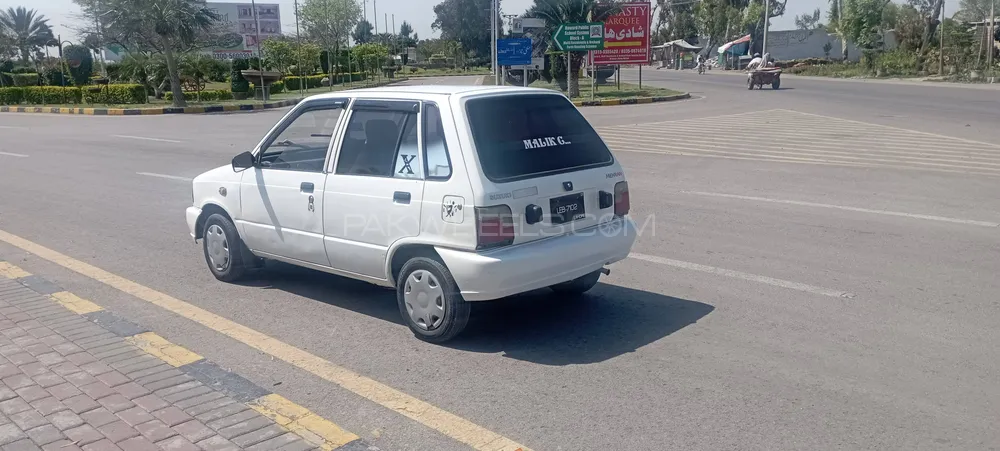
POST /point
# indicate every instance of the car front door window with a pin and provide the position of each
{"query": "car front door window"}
(302, 145)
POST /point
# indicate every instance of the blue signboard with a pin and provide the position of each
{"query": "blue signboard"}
(514, 52)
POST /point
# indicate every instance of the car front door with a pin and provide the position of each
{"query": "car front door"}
(374, 193)
(282, 196)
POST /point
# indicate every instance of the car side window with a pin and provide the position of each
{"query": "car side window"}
(373, 140)
(437, 161)
(408, 165)
(302, 145)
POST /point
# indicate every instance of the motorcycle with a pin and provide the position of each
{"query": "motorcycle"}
(701, 68)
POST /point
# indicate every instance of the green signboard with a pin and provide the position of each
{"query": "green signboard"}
(580, 36)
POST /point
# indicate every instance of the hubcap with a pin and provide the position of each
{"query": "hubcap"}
(424, 299)
(218, 247)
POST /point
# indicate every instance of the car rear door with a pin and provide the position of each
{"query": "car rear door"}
(542, 158)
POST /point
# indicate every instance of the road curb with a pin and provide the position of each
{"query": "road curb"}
(321, 433)
(148, 111)
(631, 100)
(166, 110)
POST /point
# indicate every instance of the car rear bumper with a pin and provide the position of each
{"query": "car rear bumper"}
(192, 214)
(539, 264)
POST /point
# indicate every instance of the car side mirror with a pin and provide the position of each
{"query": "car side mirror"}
(243, 162)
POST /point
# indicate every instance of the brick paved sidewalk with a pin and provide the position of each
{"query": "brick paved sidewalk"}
(71, 384)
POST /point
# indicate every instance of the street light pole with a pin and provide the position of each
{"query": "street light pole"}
(767, 6)
(494, 13)
(375, 15)
(992, 46)
(941, 45)
(298, 39)
(260, 50)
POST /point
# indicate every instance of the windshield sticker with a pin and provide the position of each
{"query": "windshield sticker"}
(452, 210)
(548, 141)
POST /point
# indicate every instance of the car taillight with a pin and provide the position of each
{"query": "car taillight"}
(621, 199)
(494, 226)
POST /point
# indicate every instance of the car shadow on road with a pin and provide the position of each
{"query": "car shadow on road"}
(540, 327)
(553, 329)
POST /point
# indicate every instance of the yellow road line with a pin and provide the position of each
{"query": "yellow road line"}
(75, 303)
(438, 419)
(166, 351)
(12, 272)
(302, 421)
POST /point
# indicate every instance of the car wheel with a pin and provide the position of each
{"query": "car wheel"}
(223, 248)
(429, 300)
(579, 285)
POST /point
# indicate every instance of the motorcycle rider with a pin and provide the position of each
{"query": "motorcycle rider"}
(701, 63)
(756, 62)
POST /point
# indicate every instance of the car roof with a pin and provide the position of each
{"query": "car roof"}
(421, 91)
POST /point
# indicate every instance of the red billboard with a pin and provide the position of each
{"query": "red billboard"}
(626, 36)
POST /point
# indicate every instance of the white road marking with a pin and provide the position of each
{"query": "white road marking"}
(143, 138)
(846, 208)
(742, 275)
(895, 128)
(165, 176)
(13, 127)
(19, 155)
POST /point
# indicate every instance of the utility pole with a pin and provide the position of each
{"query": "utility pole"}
(260, 50)
(375, 15)
(365, 10)
(395, 39)
(941, 45)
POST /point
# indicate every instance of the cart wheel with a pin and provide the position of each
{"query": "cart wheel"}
(776, 83)
(749, 83)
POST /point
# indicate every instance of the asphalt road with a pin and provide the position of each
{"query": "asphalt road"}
(814, 273)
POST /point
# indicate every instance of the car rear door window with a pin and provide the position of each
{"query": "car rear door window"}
(523, 136)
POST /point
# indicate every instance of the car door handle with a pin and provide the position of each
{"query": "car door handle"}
(400, 197)
(307, 187)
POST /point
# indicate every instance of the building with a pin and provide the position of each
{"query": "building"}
(240, 39)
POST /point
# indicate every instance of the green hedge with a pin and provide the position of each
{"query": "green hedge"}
(316, 81)
(277, 87)
(311, 81)
(40, 95)
(211, 95)
(116, 94)
(20, 79)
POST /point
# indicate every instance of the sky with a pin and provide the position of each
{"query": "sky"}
(419, 13)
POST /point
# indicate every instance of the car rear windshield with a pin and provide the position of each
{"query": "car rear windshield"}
(523, 136)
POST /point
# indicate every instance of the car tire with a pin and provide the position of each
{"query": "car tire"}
(429, 300)
(223, 248)
(579, 285)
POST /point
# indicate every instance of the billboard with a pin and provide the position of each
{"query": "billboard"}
(626, 36)
(240, 37)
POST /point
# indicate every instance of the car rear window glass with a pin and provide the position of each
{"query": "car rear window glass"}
(521, 136)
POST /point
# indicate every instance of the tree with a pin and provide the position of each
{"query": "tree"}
(362, 32)
(305, 57)
(931, 11)
(198, 67)
(167, 27)
(405, 38)
(329, 23)
(465, 21)
(279, 52)
(556, 12)
(973, 10)
(807, 21)
(80, 57)
(370, 55)
(834, 27)
(862, 22)
(28, 30)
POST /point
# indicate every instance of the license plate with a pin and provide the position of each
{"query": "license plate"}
(567, 208)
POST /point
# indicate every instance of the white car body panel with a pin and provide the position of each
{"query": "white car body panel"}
(356, 225)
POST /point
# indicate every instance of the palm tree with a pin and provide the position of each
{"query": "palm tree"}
(558, 12)
(28, 29)
(169, 27)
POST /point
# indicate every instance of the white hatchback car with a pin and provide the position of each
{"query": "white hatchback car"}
(450, 194)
